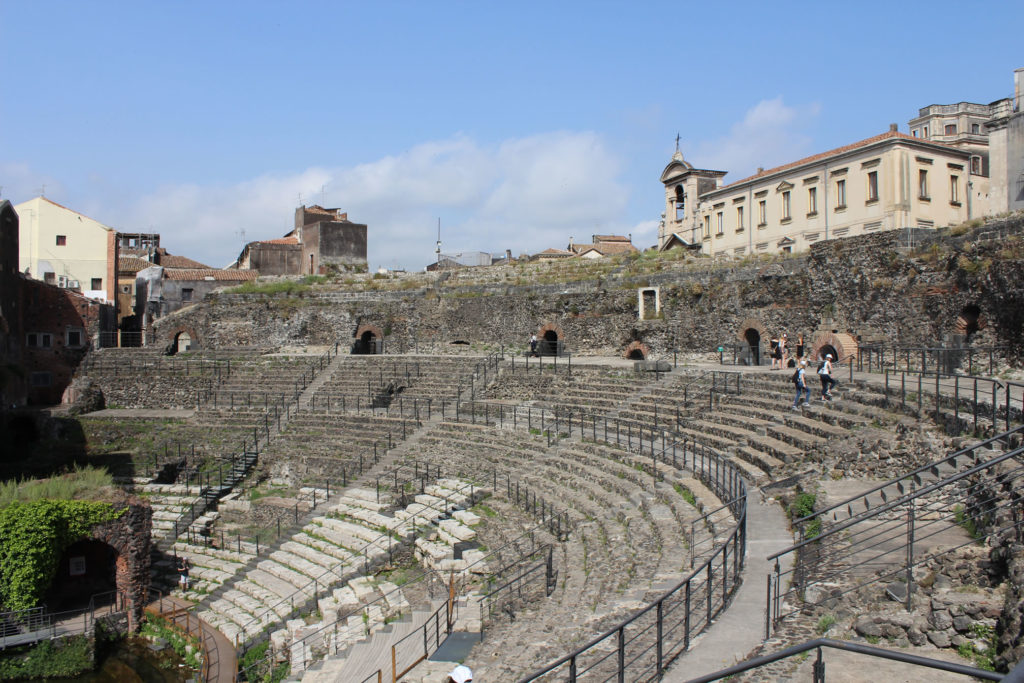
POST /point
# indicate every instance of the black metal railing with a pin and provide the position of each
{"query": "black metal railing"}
(969, 399)
(819, 666)
(889, 530)
(943, 359)
(645, 643)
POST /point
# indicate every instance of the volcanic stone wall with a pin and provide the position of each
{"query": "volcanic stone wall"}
(909, 287)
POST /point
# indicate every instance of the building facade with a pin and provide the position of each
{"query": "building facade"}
(885, 182)
(1006, 150)
(64, 248)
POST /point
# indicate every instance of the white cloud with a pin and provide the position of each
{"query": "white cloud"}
(524, 194)
(770, 134)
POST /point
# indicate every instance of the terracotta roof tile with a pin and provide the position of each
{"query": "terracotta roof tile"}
(131, 264)
(216, 274)
(281, 240)
(838, 150)
(173, 261)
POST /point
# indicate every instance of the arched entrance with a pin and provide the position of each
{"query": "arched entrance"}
(839, 344)
(182, 342)
(636, 351)
(753, 350)
(369, 341)
(969, 322)
(550, 341)
(87, 568)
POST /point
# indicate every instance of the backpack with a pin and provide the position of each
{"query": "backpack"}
(796, 377)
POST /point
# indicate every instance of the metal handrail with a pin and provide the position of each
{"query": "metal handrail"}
(859, 648)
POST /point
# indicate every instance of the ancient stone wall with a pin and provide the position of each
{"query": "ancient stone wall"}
(901, 287)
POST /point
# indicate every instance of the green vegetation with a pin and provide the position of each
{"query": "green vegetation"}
(802, 506)
(35, 536)
(825, 623)
(64, 657)
(686, 494)
(982, 657)
(185, 646)
(484, 510)
(258, 668)
(85, 482)
(967, 522)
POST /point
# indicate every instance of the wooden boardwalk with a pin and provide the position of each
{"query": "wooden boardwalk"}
(219, 656)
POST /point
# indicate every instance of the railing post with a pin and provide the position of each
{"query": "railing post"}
(910, 546)
(622, 653)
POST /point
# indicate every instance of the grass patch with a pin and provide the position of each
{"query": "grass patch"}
(86, 483)
(279, 287)
(686, 494)
(484, 510)
(825, 623)
(64, 657)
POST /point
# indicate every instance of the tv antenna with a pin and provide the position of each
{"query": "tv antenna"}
(438, 250)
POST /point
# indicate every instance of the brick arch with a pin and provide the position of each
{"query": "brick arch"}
(551, 327)
(762, 331)
(129, 536)
(637, 346)
(190, 331)
(970, 320)
(844, 345)
(375, 330)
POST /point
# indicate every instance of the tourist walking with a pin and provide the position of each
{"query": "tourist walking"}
(825, 372)
(783, 350)
(800, 380)
(183, 567)
(775, 353)
(533, 345)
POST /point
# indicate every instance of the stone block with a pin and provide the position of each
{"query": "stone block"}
(866, 626)
(962, 623)
(941, 620)
(939, 638)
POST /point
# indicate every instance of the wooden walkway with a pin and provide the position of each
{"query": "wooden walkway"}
(219, 657)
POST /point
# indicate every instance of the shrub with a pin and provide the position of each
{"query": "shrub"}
(49, 659)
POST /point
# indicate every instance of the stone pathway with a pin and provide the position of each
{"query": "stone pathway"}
(740, 629)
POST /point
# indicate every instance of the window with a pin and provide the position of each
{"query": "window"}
(50, 278)
(42, 379)
(739, 218)
(720, 223)
(975, 129)
(873, 186)
(96, 283)
(762, 213)
(870, 227)
(707, 227)
(812, 201)
(950, 129)
(841, 194)
(785, 206)
(39, 340)
(62, 240)
(739, 251)
(954, 189)
(914, 132)
(924, 132)
(922, 184)
(680, 203)
(976, 165)
(186, 294)
(73, 338)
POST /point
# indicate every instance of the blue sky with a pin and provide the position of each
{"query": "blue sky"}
(520, 125)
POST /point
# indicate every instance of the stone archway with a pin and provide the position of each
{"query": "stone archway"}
(369, 340)
(841, 345)
(637, 351)
(751, 333)
(550, 340)
(129, 538)
(182, 339)
(970, 321)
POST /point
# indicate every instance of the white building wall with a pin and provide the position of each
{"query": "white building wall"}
(82, 257)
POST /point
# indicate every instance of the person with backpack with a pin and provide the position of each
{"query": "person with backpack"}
(825, 372)
(800, 380)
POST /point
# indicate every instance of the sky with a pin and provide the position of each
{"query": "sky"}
(517, 125)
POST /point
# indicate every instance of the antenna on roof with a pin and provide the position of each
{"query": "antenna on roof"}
(241, 233)
(42, 190)
(300, 199)
(438, 250)
(323, 197)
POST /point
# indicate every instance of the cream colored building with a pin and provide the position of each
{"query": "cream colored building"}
(1006, 153)
(65, 248)
(885, 182)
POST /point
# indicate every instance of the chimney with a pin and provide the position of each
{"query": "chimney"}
(760, 170)
(893, 128)
(508, 256)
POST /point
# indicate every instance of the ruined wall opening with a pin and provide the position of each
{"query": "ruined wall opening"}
(969, 322)
(182, 342)
(635, 354)
(753, 339)
(366, 344)
(827, 349)
(549, 344)
(636, 350)
(87, 568)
